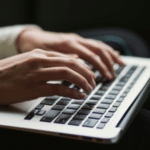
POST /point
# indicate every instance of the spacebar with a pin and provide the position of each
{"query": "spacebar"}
(50, 115)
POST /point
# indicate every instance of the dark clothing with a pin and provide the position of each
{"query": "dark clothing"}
(123, 40)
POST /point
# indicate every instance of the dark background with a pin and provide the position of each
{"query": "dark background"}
(66, 16)
(72, 15)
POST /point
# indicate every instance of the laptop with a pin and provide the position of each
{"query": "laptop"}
(103, 116)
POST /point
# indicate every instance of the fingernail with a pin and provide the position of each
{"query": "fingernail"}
(76, 56)
(89, 88)
(109, 75)
(82, 95)
(93, 83)
(112, 63)
(118, 52)
(94, 75)
(73, 55)
(122, 63)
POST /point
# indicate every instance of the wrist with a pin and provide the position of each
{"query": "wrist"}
(22, 42)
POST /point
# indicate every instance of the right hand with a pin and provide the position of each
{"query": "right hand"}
(24, 76)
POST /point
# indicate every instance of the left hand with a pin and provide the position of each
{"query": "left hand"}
(68, 43)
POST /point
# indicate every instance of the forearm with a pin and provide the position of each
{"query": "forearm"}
(8, 36)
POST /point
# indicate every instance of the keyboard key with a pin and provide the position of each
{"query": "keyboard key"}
(117, 104)
(123, 95)
(75, 122)
(84, 111)
(93, 69)
(63, 102)
(120, 83)
(109, 114)
(124, 79)
(120, 99)
(99, 111)
(73, 106)
(119, 70)
(48, 102)
(41, 112)
(101, 126)
(40, 106)
(104, 88)
(109, 96)
(90, 123)
(103, 106)
(86, 96)
(58, 107)
(31, 114)
(114, 92)
(133, 68)
(96, 97)
(53, 98)
(79, 117)
(76, 87)
(99, 79)
(130, 86)
(66, 98)
(99, 92)
(107, 101)
(105, 120)
(92, 102)
(95, 116)
(69, 111)
(87, 106)
(50, 115)
(108, 82)
(112, 109)
(66, 83)
(63, 118)
(117, 88)
(80, 102)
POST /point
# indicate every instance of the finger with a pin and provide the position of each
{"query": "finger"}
(91, 57)
(63, 73)
(61, 90)
(73, 55)
(58, 54)
(101, 52)
(115, 56)
(86, 66)
(73, 64)
(95, 45)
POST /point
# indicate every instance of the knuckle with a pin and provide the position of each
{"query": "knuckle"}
(35, 61)
(29, 76)
(64, 72)
(73, 34)
(90, 75)
(37, 51)
(92, 55)
(68, 39)
(72, 62)
(84, 81)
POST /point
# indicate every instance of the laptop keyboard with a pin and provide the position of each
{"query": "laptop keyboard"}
(96, 109)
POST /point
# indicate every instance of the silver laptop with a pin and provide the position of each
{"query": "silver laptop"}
(103, 116)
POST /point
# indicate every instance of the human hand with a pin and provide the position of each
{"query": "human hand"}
(24, 76)
(86, 49)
